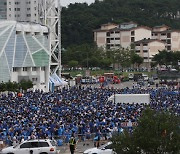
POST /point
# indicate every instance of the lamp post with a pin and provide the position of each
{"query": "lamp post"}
(114, 96)
(149, 69)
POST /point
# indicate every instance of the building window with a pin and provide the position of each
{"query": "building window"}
(108, 40)
(137, 51)
(168, 47)
(18, 9)
(137, 44)
(132, 39)
(9, 15)
(145, 57)
(107, 34)
(9, 3)
(14, 69)
(168, 35)
(34, 79)
(132, 33)
(28, 9)
(25, 69)
(43, 68)
(108, 46)
(112, 38)
(34, 8)
(117, 32)
(145, 44)
(145, 51)
(35, 14)
(117, 38)
(168, 41)
(9, 9)
(28, 15)
(163, 34)
(34, 69)
(112, 32)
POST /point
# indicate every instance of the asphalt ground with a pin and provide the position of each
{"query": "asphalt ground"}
(80, 147)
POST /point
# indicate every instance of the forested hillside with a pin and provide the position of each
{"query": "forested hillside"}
(79, 20)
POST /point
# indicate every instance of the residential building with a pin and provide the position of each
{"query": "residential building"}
(121, 35)
(21, 10)
(147, 41)
(3, 9)
(169, 36)
(148, 48)
(101, 34)
(25, 53)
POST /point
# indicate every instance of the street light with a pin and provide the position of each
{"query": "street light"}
(149, 69)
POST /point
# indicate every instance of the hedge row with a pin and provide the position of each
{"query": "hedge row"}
(15, 87)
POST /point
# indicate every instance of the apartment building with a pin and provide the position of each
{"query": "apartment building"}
(169, 36)
(101, 34)
(121, 35)
(148, 48)
(148, 41)
(20, 10)
(3, 9)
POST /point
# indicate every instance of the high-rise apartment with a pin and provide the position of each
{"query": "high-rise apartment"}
(20, 10)
(3, 9)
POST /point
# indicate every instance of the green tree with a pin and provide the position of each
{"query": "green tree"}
(157, 132)
(73, 64)
(166, 58)
(136, 60)
(24, 85)
(123, 57)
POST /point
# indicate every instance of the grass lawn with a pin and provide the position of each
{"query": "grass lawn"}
(73, 73)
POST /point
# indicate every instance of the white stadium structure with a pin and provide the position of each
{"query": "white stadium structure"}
(25, 53)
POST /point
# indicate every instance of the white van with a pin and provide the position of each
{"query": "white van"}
(131, 76)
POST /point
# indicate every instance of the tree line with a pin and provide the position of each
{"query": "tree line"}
(16, 87)
(89, 55)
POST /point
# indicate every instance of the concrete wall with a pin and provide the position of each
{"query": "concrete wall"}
(141, 33)
(175, 41)
(125, 39)
(101, 39)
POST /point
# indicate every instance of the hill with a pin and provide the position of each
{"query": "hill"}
(79, 20)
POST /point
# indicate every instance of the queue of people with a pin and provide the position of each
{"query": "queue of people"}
(76, 110)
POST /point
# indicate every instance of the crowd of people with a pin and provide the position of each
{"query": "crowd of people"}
(79, 110)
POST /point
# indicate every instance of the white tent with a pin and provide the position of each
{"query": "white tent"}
(58, 81)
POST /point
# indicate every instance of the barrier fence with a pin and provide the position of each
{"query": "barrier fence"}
(61, 140)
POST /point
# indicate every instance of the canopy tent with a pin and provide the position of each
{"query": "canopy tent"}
(55, 81)
(59, 80)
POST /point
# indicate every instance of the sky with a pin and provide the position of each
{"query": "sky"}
(67, 2)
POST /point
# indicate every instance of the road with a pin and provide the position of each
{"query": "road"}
(81, 147)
